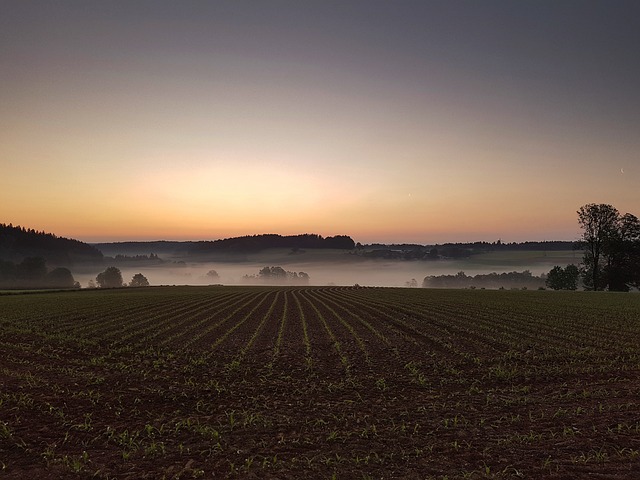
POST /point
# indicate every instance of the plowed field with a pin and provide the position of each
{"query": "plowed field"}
(319, 382)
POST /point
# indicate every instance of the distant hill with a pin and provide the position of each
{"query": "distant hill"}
(458, 250)
(256, 243)
(17, 243)
(227, 246)
(158, 247)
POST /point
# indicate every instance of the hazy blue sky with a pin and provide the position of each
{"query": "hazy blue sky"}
(423, 121)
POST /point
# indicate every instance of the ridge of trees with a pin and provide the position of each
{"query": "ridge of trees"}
(493, 280)
(254, 243)
(17, 243)
(235, 245)
(408, 251)
(498, 245)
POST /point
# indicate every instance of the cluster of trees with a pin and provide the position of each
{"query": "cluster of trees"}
(32, 272)
(611, 260)
(212, 275)
(611, 244)
(17, 243)
(491, 280)
(255, 243)
(563, 278)
(112, 278)
(409, 251)
(277, 275)
(152, 258)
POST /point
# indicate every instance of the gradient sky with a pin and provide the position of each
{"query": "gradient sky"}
(392, 121)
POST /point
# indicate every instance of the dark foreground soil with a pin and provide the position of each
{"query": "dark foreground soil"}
(319, 383)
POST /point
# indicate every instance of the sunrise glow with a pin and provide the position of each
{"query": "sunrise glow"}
(414, 122)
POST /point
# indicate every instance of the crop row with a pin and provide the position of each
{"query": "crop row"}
(319, 382)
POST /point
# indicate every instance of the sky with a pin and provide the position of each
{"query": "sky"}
(389, 121)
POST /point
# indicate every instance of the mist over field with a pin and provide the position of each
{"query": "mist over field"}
(329, 268)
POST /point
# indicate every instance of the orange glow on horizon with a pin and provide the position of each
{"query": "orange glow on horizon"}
(401, 134)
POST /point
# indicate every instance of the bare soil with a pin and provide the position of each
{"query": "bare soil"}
(392, 384)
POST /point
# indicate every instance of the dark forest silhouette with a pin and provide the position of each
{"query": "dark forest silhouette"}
(17, 242)
(32, 272)
(256, 243)
(25, 253)
(233, 246)
(409, 251)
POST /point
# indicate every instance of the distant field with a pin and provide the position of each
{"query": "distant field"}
(319, 382)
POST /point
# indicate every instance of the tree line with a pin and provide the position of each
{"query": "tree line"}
(489, 280)
(17, 242)
(454, 250)
(255, 243)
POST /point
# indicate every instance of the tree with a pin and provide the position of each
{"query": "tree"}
(622, 267)
(110, 278)
(212, 275)
(60, 278)
(571, 276)
(599, 224)
(612, 248)
(139, 280)
(563, 278)
(272, 274)
(554, 278)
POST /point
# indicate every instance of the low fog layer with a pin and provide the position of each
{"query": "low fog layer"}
(362, 272)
